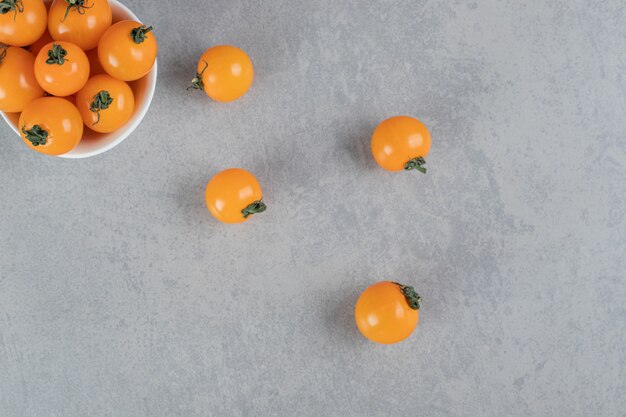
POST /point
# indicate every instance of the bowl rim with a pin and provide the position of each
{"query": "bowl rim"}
(134, 122)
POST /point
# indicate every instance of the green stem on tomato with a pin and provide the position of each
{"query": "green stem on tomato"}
(139, 34)
(196, 83)
(36, 135)
(417, 164)
(15, 6)
(254, 208)
(413, 299)
(56, 55)
(101, 101)
(79, 5)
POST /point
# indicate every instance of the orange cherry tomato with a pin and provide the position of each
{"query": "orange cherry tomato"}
(105, 103)
(233, 195)
(22, 22)
(387, 312)
(18, 85)
(225, 73)
(81, 22)
(401, 143)
(128, 50)
(61, 68)
(51, 125)
(40, 43)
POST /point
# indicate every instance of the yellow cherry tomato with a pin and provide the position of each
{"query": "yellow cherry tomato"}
(51, 125)
(61, 68)
(18, 85)
(105, 103)
(387, 312)
(22, 22)
(225, 73)
(233, 195)
(401, 143)
(128, 50)
(81, 22)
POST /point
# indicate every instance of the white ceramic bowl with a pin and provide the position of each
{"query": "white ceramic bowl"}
(96, 143)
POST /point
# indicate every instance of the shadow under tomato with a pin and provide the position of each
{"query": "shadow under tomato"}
(178, 77)
(339, 316)
(192, 201)
(355, 139)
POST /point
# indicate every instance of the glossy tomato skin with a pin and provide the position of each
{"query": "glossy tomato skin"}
(59, 118)
(64, 79)
(398, 140)
(18, 85)
(118, 112)
(123, 58)
(23, 25)
(231, 191)
(83, 26)
(383, 314)
(227, 72)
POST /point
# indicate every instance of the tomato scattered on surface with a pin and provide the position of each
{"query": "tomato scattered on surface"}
(225, 73)
(105, 103)
(128, 50)
(81, 22)
(387, 312)
(234, 195)
(56, 61)
(18, 85)
(401, 143)
(22, 22)
(51, 125)
(61, 68)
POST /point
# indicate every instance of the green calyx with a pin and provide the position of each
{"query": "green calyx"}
(254, 208)
(101, 101)
(36, 135)
(15, 6)
(417, 164)
(413, 299)
(56, 55)
(140, 33)
(196, 83)
(79, 5)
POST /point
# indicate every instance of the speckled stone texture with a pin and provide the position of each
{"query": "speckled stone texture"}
(120, 296)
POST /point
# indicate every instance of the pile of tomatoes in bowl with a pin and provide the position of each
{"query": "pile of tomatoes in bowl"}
(74, 73)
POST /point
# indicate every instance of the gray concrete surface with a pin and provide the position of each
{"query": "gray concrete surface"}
(120, 296)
